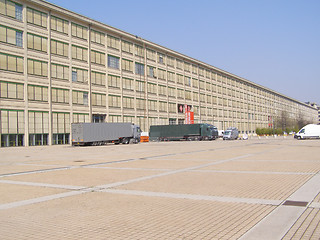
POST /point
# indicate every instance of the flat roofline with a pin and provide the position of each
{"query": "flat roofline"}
(138, 39)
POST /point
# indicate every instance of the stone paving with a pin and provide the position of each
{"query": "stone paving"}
(253, 189)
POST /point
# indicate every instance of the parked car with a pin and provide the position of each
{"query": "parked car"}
(231, 134)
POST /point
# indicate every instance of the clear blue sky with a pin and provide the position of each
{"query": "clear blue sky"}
(274, 43)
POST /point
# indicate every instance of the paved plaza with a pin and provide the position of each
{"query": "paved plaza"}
(266, 188)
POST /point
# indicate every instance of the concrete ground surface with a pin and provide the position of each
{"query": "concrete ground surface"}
(252, 189)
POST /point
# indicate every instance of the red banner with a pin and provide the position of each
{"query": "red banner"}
(188, 115)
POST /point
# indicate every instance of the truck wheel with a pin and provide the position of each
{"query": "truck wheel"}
(125, 141)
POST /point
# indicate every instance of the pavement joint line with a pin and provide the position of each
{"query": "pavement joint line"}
(278, 222)
(255, 172)
(206, 171)
(194, 197)
(37, 171)
(34, 184)
(39, 199)
(127, 168)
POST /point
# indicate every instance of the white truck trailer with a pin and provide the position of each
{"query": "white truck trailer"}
(308, 131)
(103, 133)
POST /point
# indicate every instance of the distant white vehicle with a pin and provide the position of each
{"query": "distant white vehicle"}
(245, 136)
(308, 131)
(231, 133)
(220, 133)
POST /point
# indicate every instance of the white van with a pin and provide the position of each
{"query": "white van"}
(308, 131)
(231, 134)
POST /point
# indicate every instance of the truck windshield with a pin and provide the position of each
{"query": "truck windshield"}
(227, 132)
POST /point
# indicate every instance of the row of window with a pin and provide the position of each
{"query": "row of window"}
(40, 93)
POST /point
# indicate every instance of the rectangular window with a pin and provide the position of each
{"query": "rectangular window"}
(202, 84)
(11, 90)
(201, 71)
(36, 67)
(162, 90)
(208, 74)
(128, 84)
(209, 99)
(11, 63)
(37, 42)
(188, 95)
(36, 17)
(194, 69)
(161, 74)
(195, 83)
(187, 81)
(141, 103)
(98, 99)
(98, 78)
(98, 57)
(38, 123)
(79, 75)
(37, 93)
(11, 36)
(163, 106)
(113, 62)
(79, 53)
(180, 79)
(187, 67)
(79, 31)
(195, 96)
(202, 97)
(171, 77)
(114, 81)
(152, 88)
(128, 102)
(97, 37)
(113, 42)
(11, 9)
(79, 97)
(59, 48)
(139, 68)
(152, 105)
(59, 71)
(59, 25)
(171, 92)
(151, 55)
(170, 61)
(61, 128)
(151, 72)
(139, 50)
(127, 47)
(80, 117)
(114, 101)
(179, 64)
(140, 86)
(127, 65)
(161, 58)
(172, 107)
(12, 122)
(60, 95)
(180, 93)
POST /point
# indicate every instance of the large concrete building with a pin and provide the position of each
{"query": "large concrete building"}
(58, 67)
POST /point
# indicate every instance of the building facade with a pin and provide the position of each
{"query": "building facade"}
(58, 67)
